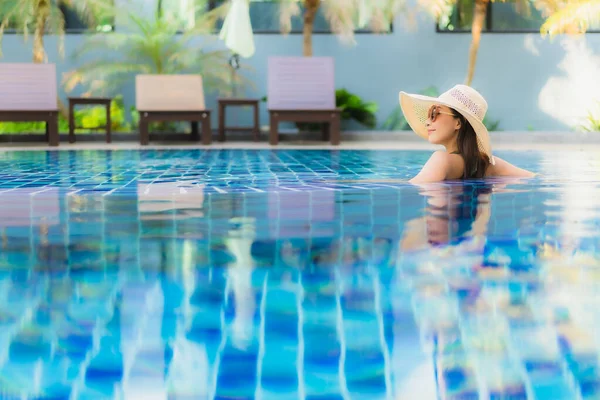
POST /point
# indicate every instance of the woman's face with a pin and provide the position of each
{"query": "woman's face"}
(442, 125)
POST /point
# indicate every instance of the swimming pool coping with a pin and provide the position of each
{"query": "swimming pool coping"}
(353, 140)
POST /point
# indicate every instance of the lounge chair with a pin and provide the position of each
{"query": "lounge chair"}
(302, 89)
(28, 92)
(172, 98)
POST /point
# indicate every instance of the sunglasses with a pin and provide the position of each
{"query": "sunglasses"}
(434, 111)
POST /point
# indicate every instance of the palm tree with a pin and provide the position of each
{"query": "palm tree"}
(342, 16)
(480, 7)
(151, 46)
(45, 16)
(479, 16)
(569, 16)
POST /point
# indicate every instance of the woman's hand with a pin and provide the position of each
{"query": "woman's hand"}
(504, 168)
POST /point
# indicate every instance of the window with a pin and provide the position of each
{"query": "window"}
(73, 23)
(264, 15)
(502, 17)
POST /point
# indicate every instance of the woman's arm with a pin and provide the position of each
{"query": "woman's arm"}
(434, 170)
(504, 168)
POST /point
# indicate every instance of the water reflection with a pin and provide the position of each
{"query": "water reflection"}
(454, 214)
(461, 309)
(167, 290)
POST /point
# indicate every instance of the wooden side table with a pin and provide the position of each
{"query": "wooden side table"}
(102, 101)
(223, 103)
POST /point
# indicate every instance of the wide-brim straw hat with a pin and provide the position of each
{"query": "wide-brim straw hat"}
(464, 99)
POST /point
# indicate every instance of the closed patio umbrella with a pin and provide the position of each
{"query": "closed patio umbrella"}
(237, 33)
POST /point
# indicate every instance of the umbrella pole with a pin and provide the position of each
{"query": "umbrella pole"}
(234, 63)
(233, 88)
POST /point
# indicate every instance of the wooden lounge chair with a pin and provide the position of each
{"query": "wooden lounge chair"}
(172, 98)
(28, 92)
(302, 89)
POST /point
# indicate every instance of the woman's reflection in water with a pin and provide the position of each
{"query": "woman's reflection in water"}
(461, 295)
(453, 214)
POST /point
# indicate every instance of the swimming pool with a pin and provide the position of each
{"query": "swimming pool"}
(192, 274)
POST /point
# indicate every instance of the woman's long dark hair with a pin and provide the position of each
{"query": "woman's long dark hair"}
(476, 162)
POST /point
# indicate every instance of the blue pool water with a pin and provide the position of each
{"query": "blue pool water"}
(191, 274)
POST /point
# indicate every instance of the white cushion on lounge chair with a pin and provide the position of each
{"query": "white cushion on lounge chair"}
(169, 93)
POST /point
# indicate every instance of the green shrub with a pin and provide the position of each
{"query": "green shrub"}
(592, 121)
(87, 118)
(353, 107)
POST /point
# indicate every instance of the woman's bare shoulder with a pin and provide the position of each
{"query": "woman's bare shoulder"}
(435, 169)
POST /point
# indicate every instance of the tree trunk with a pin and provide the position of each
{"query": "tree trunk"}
(159, 10)
(478, 23)
(42, 12)
(310, 11)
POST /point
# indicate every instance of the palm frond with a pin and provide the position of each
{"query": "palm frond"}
(110, 67)
(153, 46)
(144, 26)
(114, 42)
(436, 8)
(548, 7)
(287, 10)
(55, 23)
(15, 14)
(381, 21)
(591, 122)
(341, 15)
(575, 17)
(106, 75)
(44, 17)
(207, 19)
(215, 76)
(522, 7)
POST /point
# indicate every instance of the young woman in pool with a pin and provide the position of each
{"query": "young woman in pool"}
(455, 121)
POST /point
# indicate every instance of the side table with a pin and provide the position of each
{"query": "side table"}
(102, 101)
(224, 102)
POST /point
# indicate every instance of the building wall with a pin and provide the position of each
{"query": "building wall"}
(529, 82)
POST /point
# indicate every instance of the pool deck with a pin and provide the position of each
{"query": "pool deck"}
(363, 140)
